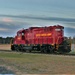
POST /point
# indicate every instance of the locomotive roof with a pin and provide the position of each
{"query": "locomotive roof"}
(34, 28)
(21, 30)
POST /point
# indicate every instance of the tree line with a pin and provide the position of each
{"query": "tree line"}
(7, 40)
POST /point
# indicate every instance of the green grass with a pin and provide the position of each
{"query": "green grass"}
(38, 63)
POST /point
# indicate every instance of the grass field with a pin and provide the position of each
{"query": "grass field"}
(25, 63)
(29, 63)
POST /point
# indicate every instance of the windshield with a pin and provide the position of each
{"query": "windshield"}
(18, 34)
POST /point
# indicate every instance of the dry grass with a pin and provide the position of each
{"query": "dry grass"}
(38, 63)
(5, 46)
(42, 64)
(73, 47)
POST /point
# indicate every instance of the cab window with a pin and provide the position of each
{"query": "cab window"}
(22, 34)
(18, 34)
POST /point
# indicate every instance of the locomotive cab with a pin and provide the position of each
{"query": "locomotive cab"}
(19, 40)
(21, 35)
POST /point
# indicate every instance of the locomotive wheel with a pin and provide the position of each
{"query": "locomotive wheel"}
(28, 51)
(50, 49)
(46, 49)
(43, 50)
(16, 48)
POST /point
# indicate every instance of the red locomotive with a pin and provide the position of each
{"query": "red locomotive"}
(45, 39)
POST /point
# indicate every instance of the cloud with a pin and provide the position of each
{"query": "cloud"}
(12, 23)
(41, 18)
(69, 31)
(3, 29)
(10, 29)
(7, 19)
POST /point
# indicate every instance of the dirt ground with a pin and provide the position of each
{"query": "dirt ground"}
(5, 46)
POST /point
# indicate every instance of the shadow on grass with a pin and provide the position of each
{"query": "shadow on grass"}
(4, 70)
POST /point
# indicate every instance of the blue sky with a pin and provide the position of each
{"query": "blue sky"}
(18, 14)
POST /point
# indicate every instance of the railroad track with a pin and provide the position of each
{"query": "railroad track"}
(5, 50)
(67, 54)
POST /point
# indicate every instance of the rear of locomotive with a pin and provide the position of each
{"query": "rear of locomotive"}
(62, 45)
(55, 41)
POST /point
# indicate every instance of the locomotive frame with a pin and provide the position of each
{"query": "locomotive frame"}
(45, 39)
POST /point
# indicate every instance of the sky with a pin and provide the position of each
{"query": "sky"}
(19, 14)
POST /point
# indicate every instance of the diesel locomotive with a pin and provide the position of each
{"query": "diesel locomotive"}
(48, 39)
